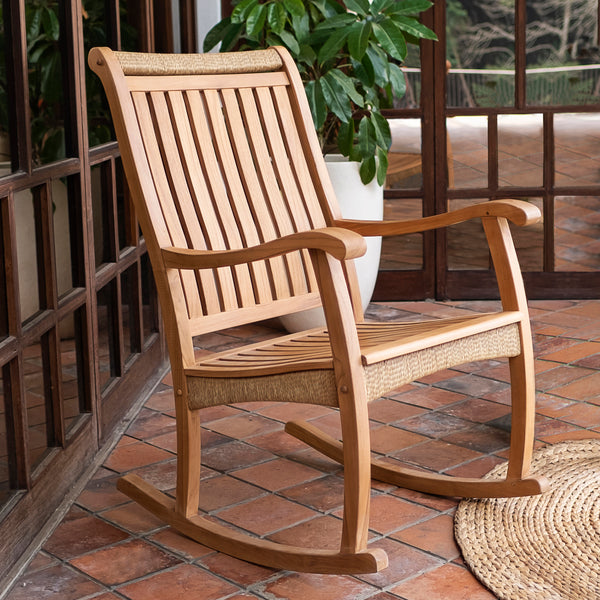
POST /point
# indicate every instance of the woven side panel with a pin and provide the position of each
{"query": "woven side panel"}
(258, 61)
(309, 387)
(388, 375)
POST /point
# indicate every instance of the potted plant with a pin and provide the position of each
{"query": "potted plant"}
(348, 54)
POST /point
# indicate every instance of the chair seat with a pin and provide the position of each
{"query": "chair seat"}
(299, 367)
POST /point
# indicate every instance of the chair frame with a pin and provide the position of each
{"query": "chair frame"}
(331, 246)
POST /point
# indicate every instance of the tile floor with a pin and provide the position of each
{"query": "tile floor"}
(258, 478)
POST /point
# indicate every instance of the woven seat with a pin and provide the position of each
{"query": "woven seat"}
(241, 224)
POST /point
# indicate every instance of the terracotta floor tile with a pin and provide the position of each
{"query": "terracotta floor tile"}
(305, 586)
(589, 362)
(472, 385)
(135, 455)
(182, 583)
(575, 352)
(586, 388)
(266, 515)
(404, 562)
(386, 410)
(132, 517)
(434, 535)
(323, 532)
(161, 401)
(579, 413)
(41, 560)
(435, 423)
(222, 491)
(234, 455)
(123, 562)
(477, 410)
(214, 413)
(475, 468)
(480, 438)
(75, 537)
(576, 434)
(150, 423)
(545, 427)
(449, 582)
(243, 425)
(278, 474)
(163, 475)
(59, 582)
(289, 411)
(102, 493)
(389, 514)
(437, 455)
(176, 542)
(279, 443)
(387, 439)
(550, 405)
(321, 494)
(238, 571)
(438, 503)
(559, 376)
(430, 397)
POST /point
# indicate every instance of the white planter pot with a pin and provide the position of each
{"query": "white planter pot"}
(357, 201)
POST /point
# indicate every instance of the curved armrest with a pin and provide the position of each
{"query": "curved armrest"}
(519, 212)
(340, 243)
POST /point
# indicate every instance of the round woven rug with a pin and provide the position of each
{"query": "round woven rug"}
(543, 547)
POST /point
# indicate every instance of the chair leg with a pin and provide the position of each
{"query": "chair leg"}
(182, 514)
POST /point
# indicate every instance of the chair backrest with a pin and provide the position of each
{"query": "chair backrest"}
(220, 152)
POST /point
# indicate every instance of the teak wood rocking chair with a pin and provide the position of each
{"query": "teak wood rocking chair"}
(241, 224)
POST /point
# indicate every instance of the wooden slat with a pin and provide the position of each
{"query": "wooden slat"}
(200, 199)
(281, 216)
(175, 173)
(245, 219)
(227, 233)
(169, 212)
(143, 83)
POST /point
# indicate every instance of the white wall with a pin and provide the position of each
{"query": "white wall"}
(208, 13)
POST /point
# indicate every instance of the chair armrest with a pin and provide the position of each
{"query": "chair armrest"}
(518, 211)
(339, 242)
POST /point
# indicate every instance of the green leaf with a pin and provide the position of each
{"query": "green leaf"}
(316, 101)
(51, 24)
(307, 55)
(398, 80)
(358, 39)
(242, 10)
(216, 34)
(360, 7)
(391, 39)
(335, 22)
(336, 99)
(409, 7)
(364, 71)
(256, 21)
(382, 130)
(294, 7)
(347, 85)
(276, 17)
(378, 6)
(301, 27)
(382, 165)
(290, 42)
(379, 64)
(414, 28)
(231, 36)
(367, 169)
(345, 140)
(366, 138)
(330, 48)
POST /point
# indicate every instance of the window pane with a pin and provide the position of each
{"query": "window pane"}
(467, 151)
(46, 85)
(108, 339)
(403, 252)
(467, 246)
(520, 150)
(576, 242)
(404, 168)
(5, 459)
(562, 52)
(481, 52)
(4, 118)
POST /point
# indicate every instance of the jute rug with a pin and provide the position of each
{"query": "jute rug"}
(543, 547)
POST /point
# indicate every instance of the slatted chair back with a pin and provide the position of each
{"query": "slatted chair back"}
(220, 152)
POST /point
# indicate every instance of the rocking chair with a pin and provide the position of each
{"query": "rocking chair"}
(241, 225)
